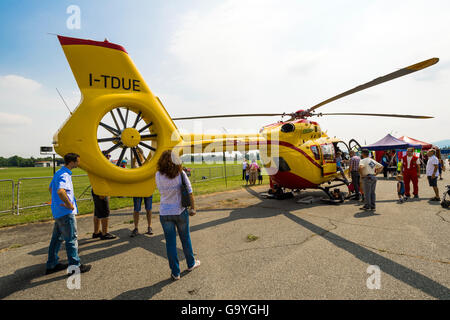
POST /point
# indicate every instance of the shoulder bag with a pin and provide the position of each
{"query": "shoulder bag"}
(185, 198)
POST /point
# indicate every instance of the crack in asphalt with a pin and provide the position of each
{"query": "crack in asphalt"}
(287, 244)
(386, 250)
(355, 224)
(443, 219)
(334, 227)
(396, 253)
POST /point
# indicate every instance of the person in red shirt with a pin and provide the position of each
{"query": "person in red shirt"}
(411, 173)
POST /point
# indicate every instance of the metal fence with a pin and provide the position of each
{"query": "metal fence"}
(6, 196)
(211, 173)
(34, 192)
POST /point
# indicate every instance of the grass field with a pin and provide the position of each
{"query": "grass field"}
(35, 191)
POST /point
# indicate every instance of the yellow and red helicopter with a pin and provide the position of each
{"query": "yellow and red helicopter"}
(118, 114)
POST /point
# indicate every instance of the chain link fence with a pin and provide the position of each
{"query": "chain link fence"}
(6, 196)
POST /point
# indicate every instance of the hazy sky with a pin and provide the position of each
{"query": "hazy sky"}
(206, 57)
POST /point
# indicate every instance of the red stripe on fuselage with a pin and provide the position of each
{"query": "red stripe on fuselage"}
(285, 179)
(289, 180)
(75, 41)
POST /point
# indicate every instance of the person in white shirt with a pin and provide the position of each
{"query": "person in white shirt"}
(172, 214)
(244, 168)
(368, 169)
(432, 173)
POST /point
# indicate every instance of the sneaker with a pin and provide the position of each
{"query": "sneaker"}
(96, 235)
(175, 278)
(149, 231)
(364, 208)
(134, 233)
(400, 201)
(435, 199)
(83, 268)
(107, 236)
(416, 196)
(196, 265)
(405, 199)
(58, 267)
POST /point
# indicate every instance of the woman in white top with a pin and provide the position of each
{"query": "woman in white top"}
(172, 215)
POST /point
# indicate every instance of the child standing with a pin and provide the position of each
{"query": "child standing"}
(400, 189)
(260, 177)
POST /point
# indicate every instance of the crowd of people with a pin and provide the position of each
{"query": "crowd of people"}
(363, 172)
(174, 214)
(175, 210)
(251, 172)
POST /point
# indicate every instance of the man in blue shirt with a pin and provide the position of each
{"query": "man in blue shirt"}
(64, 209)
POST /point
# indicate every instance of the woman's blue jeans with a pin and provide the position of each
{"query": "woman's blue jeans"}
(170, 224)
(65, 229)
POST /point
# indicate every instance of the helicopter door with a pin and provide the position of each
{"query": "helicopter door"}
(328, 159)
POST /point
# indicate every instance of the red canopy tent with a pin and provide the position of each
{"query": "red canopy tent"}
(425, 145)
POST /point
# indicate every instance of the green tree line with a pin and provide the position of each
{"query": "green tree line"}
(16, 161)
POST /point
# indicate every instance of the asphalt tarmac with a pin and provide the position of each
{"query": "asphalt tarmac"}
(252, 248)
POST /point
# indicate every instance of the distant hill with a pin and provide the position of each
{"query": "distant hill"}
(442, 143)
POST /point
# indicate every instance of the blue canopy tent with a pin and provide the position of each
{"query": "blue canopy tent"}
(391, 143)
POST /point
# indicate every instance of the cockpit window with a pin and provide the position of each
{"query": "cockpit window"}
(327, 151)
(316, 153)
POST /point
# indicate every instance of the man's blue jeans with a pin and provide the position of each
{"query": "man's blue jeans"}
(65, 229)
(180, 223)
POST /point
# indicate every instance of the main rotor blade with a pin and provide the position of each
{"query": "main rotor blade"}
(388, 77)
(373, 115)
(233, 116)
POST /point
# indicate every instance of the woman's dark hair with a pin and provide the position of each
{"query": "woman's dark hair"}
(70, 157)
(167, 164)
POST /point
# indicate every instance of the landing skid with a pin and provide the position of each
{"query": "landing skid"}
(280, 194)
(341, 182)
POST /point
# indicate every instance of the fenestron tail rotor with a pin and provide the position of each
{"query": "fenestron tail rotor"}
(126, 134)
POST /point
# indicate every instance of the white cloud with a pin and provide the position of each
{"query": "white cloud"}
(264, 56)
(30, 114)
(15, 82)
(9, 119)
